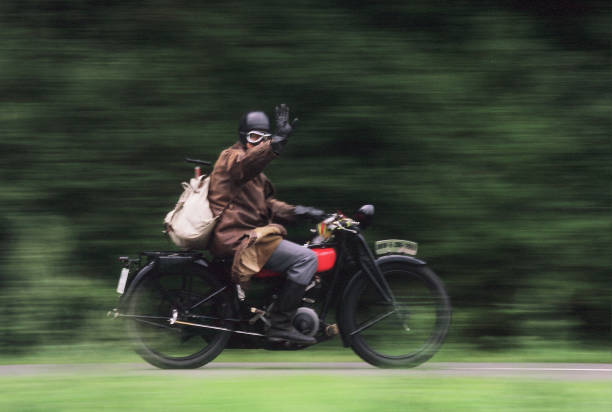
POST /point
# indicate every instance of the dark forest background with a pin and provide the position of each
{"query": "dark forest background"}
(480, 129)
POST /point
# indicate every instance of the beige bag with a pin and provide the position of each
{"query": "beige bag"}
(191, 223)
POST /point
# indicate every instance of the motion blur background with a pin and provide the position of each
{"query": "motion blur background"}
(480, 129)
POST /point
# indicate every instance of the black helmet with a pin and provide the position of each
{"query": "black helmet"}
(252, 121)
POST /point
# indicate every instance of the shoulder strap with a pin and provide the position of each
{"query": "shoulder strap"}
(227, 205)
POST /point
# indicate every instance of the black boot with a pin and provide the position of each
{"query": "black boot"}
(283, 312)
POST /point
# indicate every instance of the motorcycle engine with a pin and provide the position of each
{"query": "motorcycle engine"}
(306, 321)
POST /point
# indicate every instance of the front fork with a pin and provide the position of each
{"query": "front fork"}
(366, 261)
(370, 267)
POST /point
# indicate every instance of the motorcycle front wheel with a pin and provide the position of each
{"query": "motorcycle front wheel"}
(400, 334)
(190, 295)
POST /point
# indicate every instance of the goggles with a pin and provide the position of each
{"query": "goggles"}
(255, 136)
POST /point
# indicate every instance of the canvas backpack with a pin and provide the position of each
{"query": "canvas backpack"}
(191, 223)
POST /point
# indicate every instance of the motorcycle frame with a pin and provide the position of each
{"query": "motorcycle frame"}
(344, 240)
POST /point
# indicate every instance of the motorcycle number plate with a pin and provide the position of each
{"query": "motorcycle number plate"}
(122, 280)
(396, 246)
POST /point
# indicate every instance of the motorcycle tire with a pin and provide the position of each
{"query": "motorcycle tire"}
(403, 335)
(173, 346)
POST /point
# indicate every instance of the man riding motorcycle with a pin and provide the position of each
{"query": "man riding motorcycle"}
(249, 226)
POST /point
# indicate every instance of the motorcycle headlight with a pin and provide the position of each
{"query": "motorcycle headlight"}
(364, 215)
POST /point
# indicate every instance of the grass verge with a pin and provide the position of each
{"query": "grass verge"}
(299, 393)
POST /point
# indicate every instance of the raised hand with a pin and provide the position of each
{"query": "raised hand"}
(283, 126)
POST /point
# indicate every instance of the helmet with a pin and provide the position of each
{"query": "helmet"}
(252, 121)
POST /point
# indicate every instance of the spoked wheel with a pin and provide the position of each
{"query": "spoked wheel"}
(160, 309)
(402, 334)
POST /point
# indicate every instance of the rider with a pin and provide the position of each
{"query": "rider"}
(243, 198)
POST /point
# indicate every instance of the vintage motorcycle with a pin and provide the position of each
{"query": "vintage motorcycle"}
(181, 309)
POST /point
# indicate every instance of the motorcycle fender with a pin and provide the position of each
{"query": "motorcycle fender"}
(163, 263)
(408, 260)
(168, 263)
(134, 281)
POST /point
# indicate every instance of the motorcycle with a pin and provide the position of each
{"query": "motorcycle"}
(390, 308)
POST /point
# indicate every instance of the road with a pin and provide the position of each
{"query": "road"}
(556, 371)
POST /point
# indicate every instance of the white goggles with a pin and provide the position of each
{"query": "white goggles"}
(255, 136)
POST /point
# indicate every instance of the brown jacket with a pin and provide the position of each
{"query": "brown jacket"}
(237, 177)
(254, 251)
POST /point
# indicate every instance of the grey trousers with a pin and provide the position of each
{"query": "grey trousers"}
(298, 262)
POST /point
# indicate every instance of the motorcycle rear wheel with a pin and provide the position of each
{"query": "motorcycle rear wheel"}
(174, 346)
(403, 335)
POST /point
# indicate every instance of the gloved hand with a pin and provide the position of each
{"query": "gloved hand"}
(309, 212)
(283, 128)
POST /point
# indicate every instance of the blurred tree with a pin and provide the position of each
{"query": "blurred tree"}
(480, 129)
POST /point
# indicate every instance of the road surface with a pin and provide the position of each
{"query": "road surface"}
(558, 371)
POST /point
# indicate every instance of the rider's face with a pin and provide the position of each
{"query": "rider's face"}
(255, 137)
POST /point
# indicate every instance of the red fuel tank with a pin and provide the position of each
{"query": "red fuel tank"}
(326, 260)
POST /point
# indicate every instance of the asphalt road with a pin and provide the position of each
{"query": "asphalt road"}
(556, 371)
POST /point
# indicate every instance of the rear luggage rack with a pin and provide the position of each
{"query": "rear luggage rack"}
(172, 253)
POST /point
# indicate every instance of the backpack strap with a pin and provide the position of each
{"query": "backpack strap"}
(227, 205)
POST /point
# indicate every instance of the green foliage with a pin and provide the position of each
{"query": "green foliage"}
(482, 133)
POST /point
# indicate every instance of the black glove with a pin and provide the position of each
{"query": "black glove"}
(283, 128)
(309, 212)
